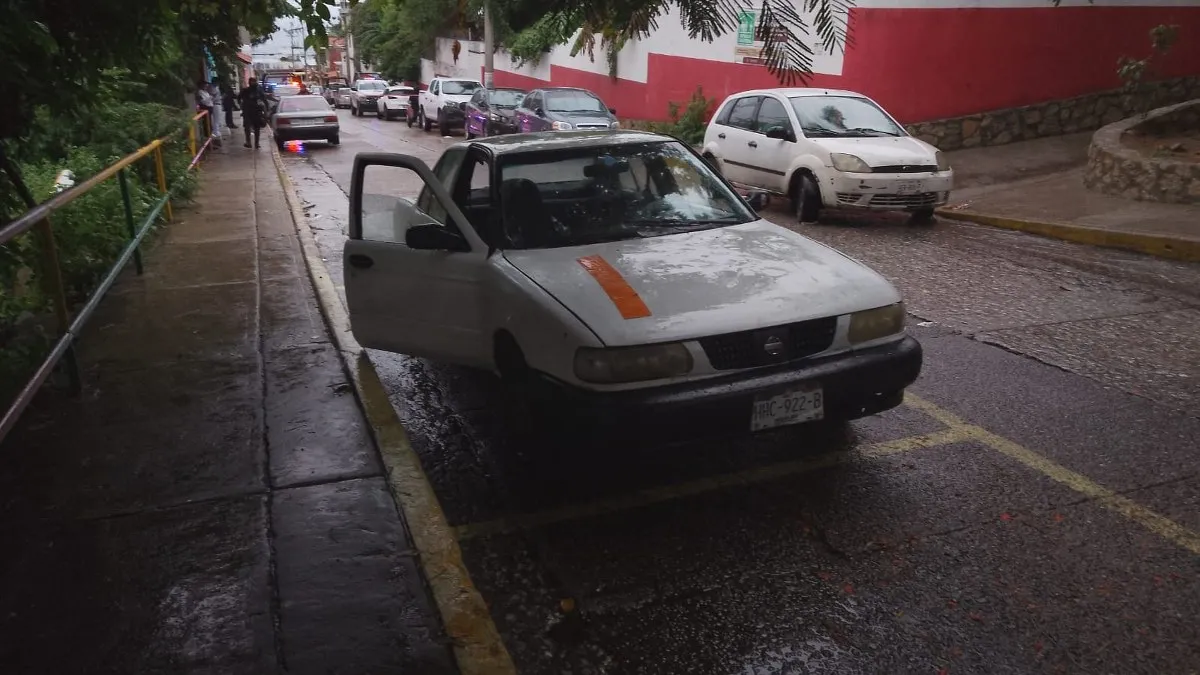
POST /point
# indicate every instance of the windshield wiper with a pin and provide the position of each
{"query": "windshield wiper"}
(864, 130)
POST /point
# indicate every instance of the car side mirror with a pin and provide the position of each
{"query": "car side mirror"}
(433, 237)
(779, 133)
(612, 111)
(539, 112)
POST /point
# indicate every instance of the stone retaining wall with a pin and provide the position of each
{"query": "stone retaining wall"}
(1125, 172)
(1053, 118)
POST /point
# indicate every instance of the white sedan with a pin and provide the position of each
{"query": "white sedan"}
(826, 148)
(615, 273)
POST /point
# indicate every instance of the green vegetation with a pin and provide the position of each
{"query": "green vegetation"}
(687, 122)
(1133, 71)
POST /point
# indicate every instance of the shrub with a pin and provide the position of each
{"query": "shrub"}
(689, 123)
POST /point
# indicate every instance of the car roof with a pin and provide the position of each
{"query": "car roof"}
(586, 91)
(566, 140)
(792, 92)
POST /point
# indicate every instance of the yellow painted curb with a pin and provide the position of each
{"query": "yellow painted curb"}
(478, 649)
(1171, 248)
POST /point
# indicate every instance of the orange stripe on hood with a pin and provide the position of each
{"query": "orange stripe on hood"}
(627, 301)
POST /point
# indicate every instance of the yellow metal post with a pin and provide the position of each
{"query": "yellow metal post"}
(160, 170)
(192, 137)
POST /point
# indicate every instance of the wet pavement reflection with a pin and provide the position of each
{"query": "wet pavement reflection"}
(897, 543)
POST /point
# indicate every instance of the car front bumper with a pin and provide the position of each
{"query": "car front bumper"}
(453, 115)
(854, 384)
(889, 191)
(306, 133)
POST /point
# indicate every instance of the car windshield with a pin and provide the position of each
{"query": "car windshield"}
(574, 101)
(506, 98)
(456, 87)
(303, 103)
(587, 195)
(286, 90)
(400, 91)
(371, 86)
(842, 116)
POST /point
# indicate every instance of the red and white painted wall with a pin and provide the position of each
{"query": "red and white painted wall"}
(921, 59)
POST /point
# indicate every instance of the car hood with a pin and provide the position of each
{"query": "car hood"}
(708, 283)
(581, 118)
(457, 98)
(882, 151)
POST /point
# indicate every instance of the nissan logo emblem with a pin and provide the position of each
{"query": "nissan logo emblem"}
(773, 346)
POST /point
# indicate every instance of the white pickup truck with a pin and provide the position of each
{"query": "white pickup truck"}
(444, 101)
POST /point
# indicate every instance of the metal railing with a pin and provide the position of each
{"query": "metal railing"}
(38, 217)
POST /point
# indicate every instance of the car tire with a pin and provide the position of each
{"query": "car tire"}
(806, 199)
(922, 217)
(426, 125)
(335, 140)
(712, 162)
(281, 144)
(443, 127)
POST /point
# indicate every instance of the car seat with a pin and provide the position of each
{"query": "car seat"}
(527, 223)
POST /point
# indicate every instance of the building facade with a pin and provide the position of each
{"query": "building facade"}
(922, 59)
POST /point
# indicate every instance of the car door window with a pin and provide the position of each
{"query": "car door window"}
(433, 87)
(772, 114)
(743, 112)
(473, 192)
(533, 102)
(446, 169)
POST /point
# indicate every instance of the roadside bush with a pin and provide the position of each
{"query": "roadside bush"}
(687, 122)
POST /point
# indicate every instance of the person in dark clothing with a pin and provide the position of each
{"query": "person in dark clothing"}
(228, 102)
(254, 110)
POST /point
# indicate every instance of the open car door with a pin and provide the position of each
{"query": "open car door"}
(413, 270)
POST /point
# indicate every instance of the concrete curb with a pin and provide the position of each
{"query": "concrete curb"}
(1171, 248)
(478, 648)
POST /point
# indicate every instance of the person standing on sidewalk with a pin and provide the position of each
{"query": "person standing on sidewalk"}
(204, 101)
(229, 102)
(254, 110)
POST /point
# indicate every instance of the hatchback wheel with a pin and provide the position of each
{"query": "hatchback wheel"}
(425, 123)
(922, 217)
(806, 199)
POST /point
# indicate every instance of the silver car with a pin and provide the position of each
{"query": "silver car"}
(341, 99)
(304, 118)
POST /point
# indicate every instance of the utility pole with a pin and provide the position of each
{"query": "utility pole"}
(489, 46)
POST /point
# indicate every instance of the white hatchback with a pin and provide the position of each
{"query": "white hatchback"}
(826, 148)
(615, 274)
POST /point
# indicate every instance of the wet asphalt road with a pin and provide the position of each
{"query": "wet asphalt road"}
(1033, 509)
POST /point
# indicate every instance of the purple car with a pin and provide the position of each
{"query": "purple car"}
(564, 109)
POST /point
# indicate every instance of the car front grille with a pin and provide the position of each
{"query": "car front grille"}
(905, 168)
(918, 200)
(591, 126)
(768, 346)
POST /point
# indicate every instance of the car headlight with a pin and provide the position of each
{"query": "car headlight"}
(849, 163)
(943, 164)
(873, 324)
(615, 125)
(495, 118)
(560, 126)
(632, 364)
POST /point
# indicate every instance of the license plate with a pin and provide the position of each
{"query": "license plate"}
(305, 122)
(793, 407)
(908, 187)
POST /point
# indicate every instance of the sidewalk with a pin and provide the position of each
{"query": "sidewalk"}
(213, 503)
(1037, 186)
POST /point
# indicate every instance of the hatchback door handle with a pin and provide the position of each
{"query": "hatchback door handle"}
(721, 135)
(360, 260)
(753, 144)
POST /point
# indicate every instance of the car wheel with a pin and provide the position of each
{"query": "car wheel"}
(443, 128)
(335, 140)
(806, 199)
(281, 144)
(922, 217)
(470, 135)
(425, 123)
(712, 162)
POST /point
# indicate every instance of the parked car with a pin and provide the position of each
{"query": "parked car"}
(492, 112)
(826, 148)
(564, 109)
(444, 101)
(364, 96)
(394, 102)
(616, 274)
(304, 118)
(342, 98)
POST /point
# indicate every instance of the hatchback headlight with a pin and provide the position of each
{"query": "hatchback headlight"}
(849, 163)
(943, 164)
(560, 126)
(873, 324)
(632, 364)
(614, 125)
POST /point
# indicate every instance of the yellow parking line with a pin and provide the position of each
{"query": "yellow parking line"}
(658, 495)
(1156, 523)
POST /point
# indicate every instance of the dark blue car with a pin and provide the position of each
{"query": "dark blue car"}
(564, 109)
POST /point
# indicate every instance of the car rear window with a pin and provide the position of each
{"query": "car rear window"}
(303, 103)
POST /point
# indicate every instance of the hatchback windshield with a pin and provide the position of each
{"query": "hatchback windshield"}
(455, 87)
(372, 86)
(605, 193)
(303, 103)
(573, 101)
(506, 98)
(842, 116)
